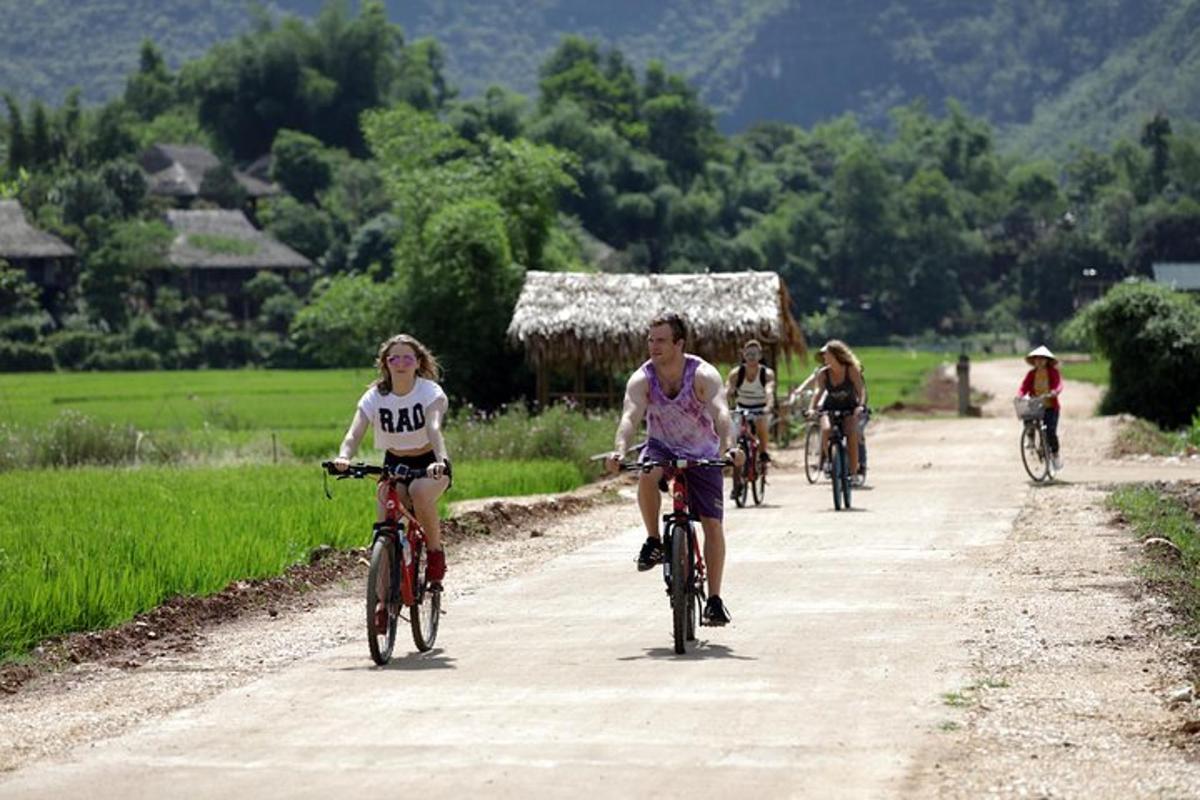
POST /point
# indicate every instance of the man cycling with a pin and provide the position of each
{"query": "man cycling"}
(680, 397)
(751, 387)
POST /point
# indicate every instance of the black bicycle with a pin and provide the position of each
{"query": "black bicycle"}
(396, 576)
(1035, 445)
(683, 564)
(753, 474)
(839, 460)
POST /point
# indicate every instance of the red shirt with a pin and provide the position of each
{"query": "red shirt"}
(1054, 384)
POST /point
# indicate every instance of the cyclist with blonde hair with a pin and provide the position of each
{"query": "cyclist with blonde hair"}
(406, 407)
(840, 387)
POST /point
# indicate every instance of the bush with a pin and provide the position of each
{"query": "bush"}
(25, 357)
(1151, 337)
(133, 359)
(71, 348)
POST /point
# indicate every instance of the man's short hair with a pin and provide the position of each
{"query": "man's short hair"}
(677, 322)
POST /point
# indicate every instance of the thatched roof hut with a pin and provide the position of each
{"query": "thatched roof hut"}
(43, 256)
(573, 321)
(20, 240)
(224, 239)
(217, 251)
(178, 170)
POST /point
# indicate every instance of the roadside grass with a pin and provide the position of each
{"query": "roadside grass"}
(1137, 436)
(1094, 370)
(88, 548)
(1155, 514)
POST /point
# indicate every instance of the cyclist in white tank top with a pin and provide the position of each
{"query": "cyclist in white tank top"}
(751, 387)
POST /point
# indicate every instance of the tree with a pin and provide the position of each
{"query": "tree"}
(150, 91)
(300, 165)
(1156, 137)
(130, 249)
(468, 273)
(345, 320)
(221, 186)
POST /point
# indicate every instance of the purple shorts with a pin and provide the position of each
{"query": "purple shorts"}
(706, 485)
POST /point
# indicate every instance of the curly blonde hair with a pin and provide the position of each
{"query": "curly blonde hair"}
(427, 365)
(842, 352)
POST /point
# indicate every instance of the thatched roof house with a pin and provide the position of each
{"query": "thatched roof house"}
(42, 255)
(176, 170)
(217, 251)
(572, 321)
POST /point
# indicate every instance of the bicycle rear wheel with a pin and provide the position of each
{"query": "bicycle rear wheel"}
(1033, 453)
(758, 486)
(680, 574)
(812, 453)
(427, 605)
(741, 477)
(839, 458)
(382, 579)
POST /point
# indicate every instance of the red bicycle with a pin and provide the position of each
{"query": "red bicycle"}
(397, 574)
(683, 567)
(753, 474)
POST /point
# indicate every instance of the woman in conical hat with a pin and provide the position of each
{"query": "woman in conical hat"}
(1045, 381)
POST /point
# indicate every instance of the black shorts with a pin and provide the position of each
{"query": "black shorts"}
(390, 459)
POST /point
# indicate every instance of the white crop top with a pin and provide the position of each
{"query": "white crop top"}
(399, 420)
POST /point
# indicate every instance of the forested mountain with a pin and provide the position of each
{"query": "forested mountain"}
(1045, 72)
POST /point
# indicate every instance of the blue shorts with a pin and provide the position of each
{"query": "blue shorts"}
(706, 485)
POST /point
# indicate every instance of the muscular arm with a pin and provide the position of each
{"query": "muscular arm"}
(354, 434)
(637, 395)
(708, 391)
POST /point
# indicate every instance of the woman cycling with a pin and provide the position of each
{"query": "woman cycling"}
(1045, 381)
(840, 387)
(406, 406)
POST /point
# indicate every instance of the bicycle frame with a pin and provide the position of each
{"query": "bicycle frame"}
(681, 515)
(403, 522)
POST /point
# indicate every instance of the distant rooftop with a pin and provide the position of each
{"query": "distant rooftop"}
(1184, 276)
(223, 239)
(19, 239)
(177, 170)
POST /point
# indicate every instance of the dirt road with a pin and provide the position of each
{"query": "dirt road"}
(850, 631)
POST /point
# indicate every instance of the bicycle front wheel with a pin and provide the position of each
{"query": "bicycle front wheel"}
(427, 605)
(742, 477)
(382, 591)
(838, 455)
(812, 453)
(1032, 453)
(680, 574)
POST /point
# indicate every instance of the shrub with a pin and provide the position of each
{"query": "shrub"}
(1151, 337)
(25, 357)
(71, 348)
(133, 359)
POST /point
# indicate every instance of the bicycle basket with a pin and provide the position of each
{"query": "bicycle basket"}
(1029, 407)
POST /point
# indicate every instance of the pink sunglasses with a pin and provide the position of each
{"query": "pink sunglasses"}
(406, 360)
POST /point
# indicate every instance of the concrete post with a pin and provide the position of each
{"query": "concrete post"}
(964, 385)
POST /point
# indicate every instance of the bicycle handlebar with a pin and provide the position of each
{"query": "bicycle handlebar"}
(362, 470)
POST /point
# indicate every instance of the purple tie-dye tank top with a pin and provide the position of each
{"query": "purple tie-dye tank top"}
(682, 423)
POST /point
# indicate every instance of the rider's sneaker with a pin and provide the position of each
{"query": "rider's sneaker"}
(1057, 462)
(764, 456)
(435, 570)
(651, 555)
(715, 612)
